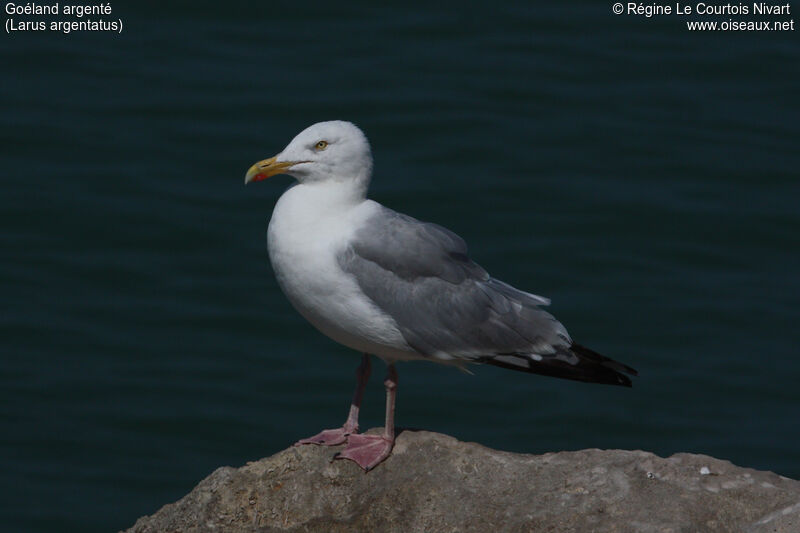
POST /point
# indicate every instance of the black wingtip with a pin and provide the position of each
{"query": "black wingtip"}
(590, 367)
(619, 369)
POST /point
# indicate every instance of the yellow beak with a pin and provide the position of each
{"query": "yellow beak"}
(267, 168)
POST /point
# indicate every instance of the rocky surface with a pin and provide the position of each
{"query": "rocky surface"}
(435, 483)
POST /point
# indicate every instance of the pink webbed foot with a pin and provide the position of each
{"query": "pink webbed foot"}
(334, 437)
(327, 437)
(367, 451)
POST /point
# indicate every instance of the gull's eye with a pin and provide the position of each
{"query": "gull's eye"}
(321, 145)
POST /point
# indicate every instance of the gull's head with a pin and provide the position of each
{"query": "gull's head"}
(334, 150)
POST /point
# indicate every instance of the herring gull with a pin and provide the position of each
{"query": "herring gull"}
(388, 285)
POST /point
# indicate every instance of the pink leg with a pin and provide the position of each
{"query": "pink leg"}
(333, 437)
(369, 450)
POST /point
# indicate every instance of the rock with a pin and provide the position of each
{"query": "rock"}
(434, 483)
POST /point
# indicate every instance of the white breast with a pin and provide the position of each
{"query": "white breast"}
(310, 226)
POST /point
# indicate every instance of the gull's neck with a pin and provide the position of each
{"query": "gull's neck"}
(335, 192)
(311, 202)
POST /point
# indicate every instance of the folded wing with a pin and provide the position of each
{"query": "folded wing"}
(448, 308)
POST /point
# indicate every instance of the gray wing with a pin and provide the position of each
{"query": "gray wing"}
(445, 305)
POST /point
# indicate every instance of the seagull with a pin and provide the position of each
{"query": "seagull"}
(388, 285)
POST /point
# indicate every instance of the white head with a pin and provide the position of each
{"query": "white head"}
(326, 151)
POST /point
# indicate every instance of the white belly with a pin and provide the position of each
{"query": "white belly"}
(304, 240)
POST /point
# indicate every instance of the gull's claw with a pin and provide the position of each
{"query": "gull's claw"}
(327, 437)
(367, 451)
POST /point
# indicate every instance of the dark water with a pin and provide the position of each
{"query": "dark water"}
(643, 177)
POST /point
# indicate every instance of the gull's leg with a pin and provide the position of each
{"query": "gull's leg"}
(332, 437)
(369, 450)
